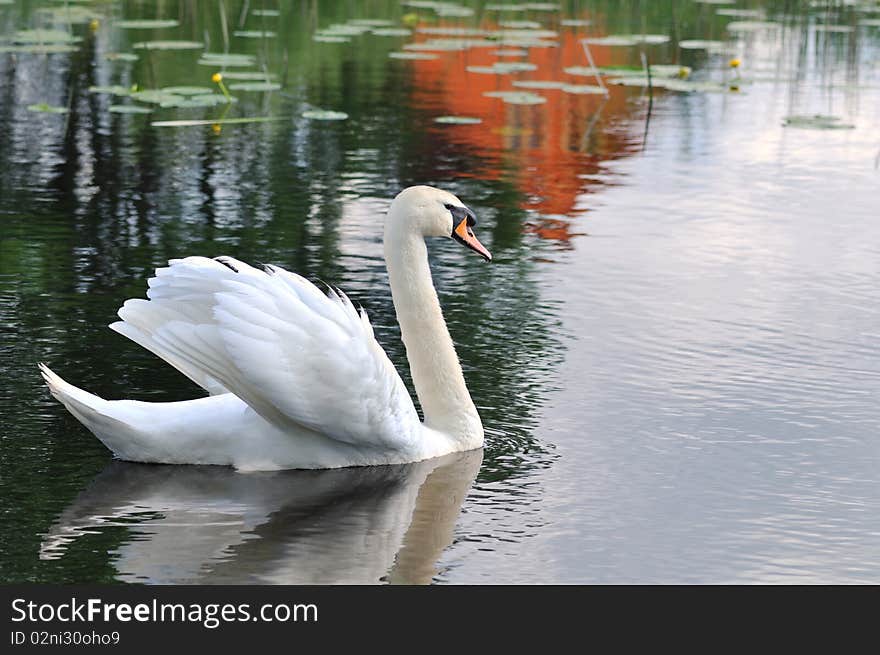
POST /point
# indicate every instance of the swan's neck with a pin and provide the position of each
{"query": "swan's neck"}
(433, 362)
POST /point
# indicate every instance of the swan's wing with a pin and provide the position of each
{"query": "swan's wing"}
(295, 355)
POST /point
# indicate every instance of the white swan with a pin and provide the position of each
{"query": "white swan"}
(296, 378)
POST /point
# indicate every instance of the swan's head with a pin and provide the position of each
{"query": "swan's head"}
(436, 213)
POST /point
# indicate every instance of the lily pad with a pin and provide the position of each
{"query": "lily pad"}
(584, 89)
(751, 26)
(539, 84)
(670, 70)
(129, 109)
(700, 44)
(248, 75)
(372, 22)
(223, 60)
(120, 56)
(510, 52)
(168, 45)
(517, 97)
(146, 24)
(392, 31)
(575, 22)
(219, 121)
(44, 49)
(324, 115)
(44, 108)
(187, 90)
(266, 13)
(816, 122)
(254, 34)
(412, 55)
(458, 120)
(155, 96)
(39, 37)
(585, 71)
(834, 28)
(114, 90)
(69, 14)
(255, 86)
(503, 68)
(204, 100)
(520, 24)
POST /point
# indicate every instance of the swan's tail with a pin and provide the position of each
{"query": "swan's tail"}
(92, 411)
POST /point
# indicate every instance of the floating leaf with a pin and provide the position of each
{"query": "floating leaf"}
(700, 44)
(39, 37)
(816, 122)
(146, 24)
(224, 60)
(458, 120)
(584, 89)
(266, 13)
(168, 45)
(154, 96)
(71, 15)
(833, 28)
(324, 115)
(510, 52)
(411, 55)
(324, 38)
(751, 26)
(120, 56)
(44, 108)
(115, 90)
(372, 22)
(254, 34)
(204, 100)
(670, 70)
(586, 71)
(539, 84)
(392, 31)
(517, 97)
(575, 22)
(219, 121)
(520, 24)
(129, 109)
(248, 75)
(255, 86)
(45, 49)
(187, 90)
(503, 68)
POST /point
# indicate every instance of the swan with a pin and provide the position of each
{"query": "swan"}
(295, 377)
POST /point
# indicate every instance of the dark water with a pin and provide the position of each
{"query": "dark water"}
(675, 351)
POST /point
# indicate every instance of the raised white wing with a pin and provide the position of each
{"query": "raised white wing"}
(298, 357)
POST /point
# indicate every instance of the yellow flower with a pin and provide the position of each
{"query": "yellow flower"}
(216, 128)
(734, 63)
(217, 77)
(94, 24)
(410, 19)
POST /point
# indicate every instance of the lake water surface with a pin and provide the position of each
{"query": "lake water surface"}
(675, 353)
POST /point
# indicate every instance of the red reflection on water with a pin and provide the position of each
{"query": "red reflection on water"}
(546, 150)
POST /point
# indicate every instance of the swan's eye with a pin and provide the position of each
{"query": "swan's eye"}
(460, 213)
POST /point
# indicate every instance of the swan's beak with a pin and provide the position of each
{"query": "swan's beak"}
(465, 235)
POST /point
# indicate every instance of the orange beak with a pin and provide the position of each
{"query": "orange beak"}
(465, 235)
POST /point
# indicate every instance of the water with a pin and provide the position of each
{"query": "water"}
(675, 351)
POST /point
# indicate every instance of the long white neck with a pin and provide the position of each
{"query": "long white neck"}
(433, 362)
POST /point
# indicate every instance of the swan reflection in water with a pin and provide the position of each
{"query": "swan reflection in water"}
(206, 524)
